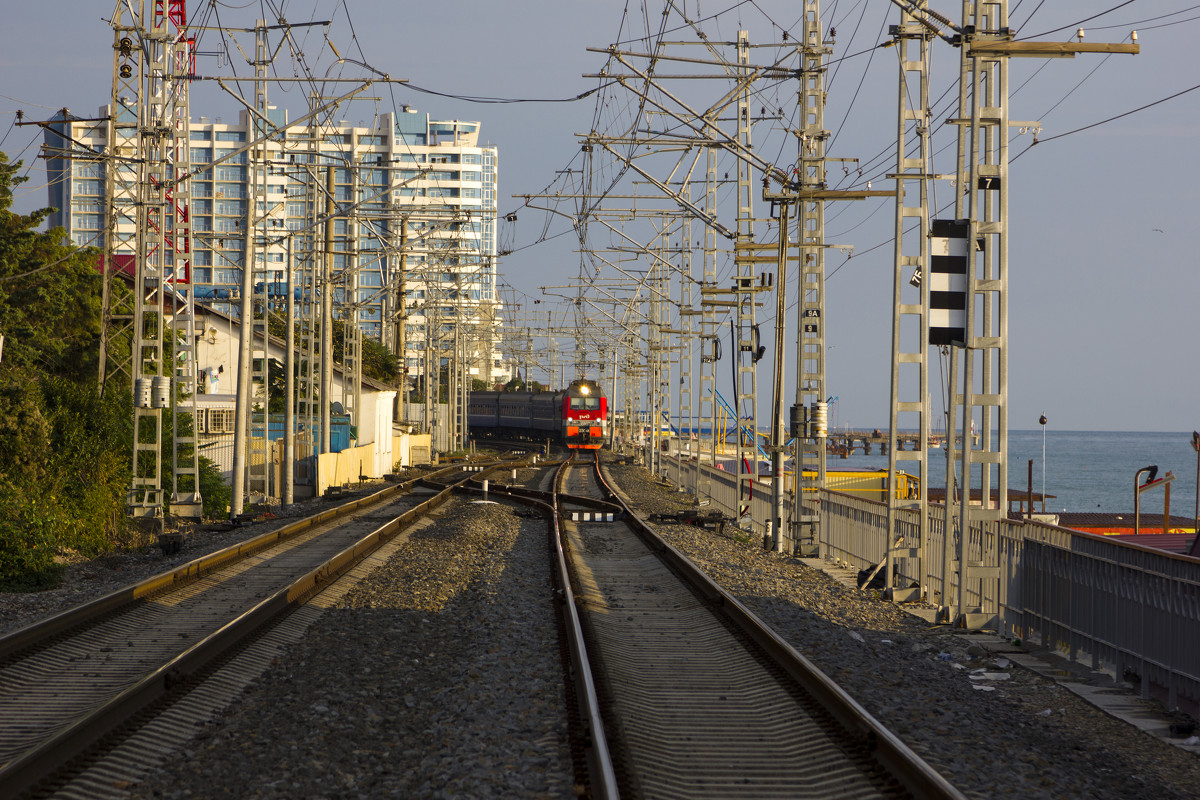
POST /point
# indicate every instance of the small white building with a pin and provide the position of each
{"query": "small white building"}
(369, 434)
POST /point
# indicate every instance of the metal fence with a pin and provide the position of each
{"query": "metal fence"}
(1122, 608)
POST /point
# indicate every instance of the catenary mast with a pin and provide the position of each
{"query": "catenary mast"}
(154, 64)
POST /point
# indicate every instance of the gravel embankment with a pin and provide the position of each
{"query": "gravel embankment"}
(1026, 738)
(440, 677)
(84, 580)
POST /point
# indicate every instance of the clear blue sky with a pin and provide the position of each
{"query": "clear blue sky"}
(1103, 281)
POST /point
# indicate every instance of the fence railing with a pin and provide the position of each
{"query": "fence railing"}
(1125, 609)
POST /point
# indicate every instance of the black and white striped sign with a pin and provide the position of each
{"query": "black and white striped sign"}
(591, 516)
(948, 281)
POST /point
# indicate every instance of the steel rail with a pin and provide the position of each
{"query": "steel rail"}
(45, 630)
(886, 749)
(40, 762)
(602, 778)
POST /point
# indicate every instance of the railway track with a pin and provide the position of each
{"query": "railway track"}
(81, 683)
(688, 695)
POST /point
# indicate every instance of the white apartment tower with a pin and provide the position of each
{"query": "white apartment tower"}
(413, 238)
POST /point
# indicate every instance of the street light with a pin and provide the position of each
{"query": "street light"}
(1196, 447)
(1042, 422)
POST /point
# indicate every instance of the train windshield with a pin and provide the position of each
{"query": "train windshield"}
(585, 403)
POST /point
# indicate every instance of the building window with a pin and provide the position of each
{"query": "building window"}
(201, 155)
(223, 152)
(231, 136)
(231, 208)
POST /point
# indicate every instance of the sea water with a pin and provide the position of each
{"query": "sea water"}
(1084, 470)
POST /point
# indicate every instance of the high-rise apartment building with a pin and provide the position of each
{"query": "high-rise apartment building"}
(411, 244)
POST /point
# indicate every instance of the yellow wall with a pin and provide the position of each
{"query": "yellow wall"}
(348, 466)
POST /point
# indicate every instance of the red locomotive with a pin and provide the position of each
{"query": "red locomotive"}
(577, 417)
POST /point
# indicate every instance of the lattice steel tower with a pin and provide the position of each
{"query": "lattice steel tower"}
(153, 64)
(910, 289)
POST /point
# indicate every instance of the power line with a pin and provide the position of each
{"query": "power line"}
(1105, 121)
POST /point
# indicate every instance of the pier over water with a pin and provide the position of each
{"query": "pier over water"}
(846, 442)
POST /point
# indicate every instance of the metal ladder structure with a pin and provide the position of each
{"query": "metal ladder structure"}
(809, 453)
(710, 337)
(186, 500)
(117, 306)
(911, 283)
(745, 289)
(153, 62)
(979, 363)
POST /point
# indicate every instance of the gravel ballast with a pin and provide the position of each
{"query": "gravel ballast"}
(1016, 736)
(440, 677)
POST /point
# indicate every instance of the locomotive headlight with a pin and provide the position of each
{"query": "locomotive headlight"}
(584, 390)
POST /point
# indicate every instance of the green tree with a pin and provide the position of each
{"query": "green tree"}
(378, 363)
(64, 450)
(49, 293)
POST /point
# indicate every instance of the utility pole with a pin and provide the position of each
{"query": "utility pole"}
(975, 245)
(325, 287)
(686, 420)
(256, 304)
(810, 446)
(807, 189)
(157, 74)
(710, 338)
(289, 408)
(911, 284)
(351, 330)
(121, 190)
(745, 390)
(778, 535)
(401, 315)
